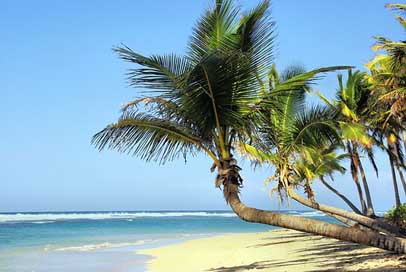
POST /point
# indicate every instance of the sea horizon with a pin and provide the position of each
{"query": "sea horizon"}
(99, 240)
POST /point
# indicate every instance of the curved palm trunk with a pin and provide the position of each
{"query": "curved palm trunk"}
(404, 139)
(349, 234)
(370, 207)
(343, 197)
(363, 220)
(343, 220)
(354, 173)
(360, 193)
(394, 180)
(402, 178)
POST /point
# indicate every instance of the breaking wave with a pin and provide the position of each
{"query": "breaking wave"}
(53, 217)
(45, 218)
(100, 246)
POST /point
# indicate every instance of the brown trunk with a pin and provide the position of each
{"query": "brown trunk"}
(404, 137)
(394, 180)
(370, 208)
(354, 173)
(349, 234)
(402, 178)
(343, 197)
(343, 220)
(363, 220)
(360, 194)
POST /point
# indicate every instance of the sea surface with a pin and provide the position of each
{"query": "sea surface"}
(107, 241)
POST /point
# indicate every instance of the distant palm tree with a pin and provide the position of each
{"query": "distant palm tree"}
(352, 108)
(388, 77)
(322, 162)
(209, 100)
(292, 140)
(389, 71)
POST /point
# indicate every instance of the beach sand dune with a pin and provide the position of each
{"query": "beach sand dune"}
(276, 251)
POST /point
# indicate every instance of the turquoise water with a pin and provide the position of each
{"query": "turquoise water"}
(106, 241)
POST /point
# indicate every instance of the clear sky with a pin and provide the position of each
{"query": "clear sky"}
(60, 83)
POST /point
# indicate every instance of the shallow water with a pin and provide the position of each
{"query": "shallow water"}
(106, 241)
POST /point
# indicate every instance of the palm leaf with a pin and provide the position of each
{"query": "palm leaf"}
(255, 155)
(255, 37)
(156, 72)
(214, 31)
(149, 138)
(312, 128)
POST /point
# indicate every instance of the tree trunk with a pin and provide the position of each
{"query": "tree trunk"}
(404, 139)
(349, 234)
(402, 178)
(363, 220)
(343, 220)
(343, 197)
(395, 183)
(354, 173)
(370, 208)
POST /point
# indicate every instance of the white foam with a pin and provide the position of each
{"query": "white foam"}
(100, 246)
(310, 214)
(43, 218)
(50, 217)
(43, 222)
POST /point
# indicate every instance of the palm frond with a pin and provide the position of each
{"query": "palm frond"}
(156, 72)
(255, 155)
(401, 7)
(149, 138)
(313, 128)
(356, 132)
(214, 31)
(256, 37)
(305, 79)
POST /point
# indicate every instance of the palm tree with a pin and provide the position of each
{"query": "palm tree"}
(291, 143)
(351, 106)
(387, 76)
(322, 162)
(208, 100)
(389, 71)
(387, 129)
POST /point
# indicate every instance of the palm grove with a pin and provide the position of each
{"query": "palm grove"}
(225, 97)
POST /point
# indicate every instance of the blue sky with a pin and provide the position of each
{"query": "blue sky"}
(61, 83)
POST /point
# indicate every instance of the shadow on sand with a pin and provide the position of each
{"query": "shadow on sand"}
(327, 253)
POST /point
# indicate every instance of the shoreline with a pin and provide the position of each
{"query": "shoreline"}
(276, 250)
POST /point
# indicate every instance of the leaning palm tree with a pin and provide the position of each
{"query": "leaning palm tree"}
(386, 133)
(352, 106)
(389, 71)
(292, 142)
(387, 76)
(207, 101)
(321, 163)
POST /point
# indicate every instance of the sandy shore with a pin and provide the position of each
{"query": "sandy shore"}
(278, 250)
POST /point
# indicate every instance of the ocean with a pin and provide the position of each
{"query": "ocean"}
(107, 241)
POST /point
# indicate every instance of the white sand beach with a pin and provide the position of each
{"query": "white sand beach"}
(276, 251)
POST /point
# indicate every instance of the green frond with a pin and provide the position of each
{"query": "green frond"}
(355, 132)
(214, 31)
(273, 78)
(221, 88)
(305, 79)
(323, 98)
(256, 37)
(255, 155)
(396, 6)
(148, 137)
(313, 128)
(164, 72)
